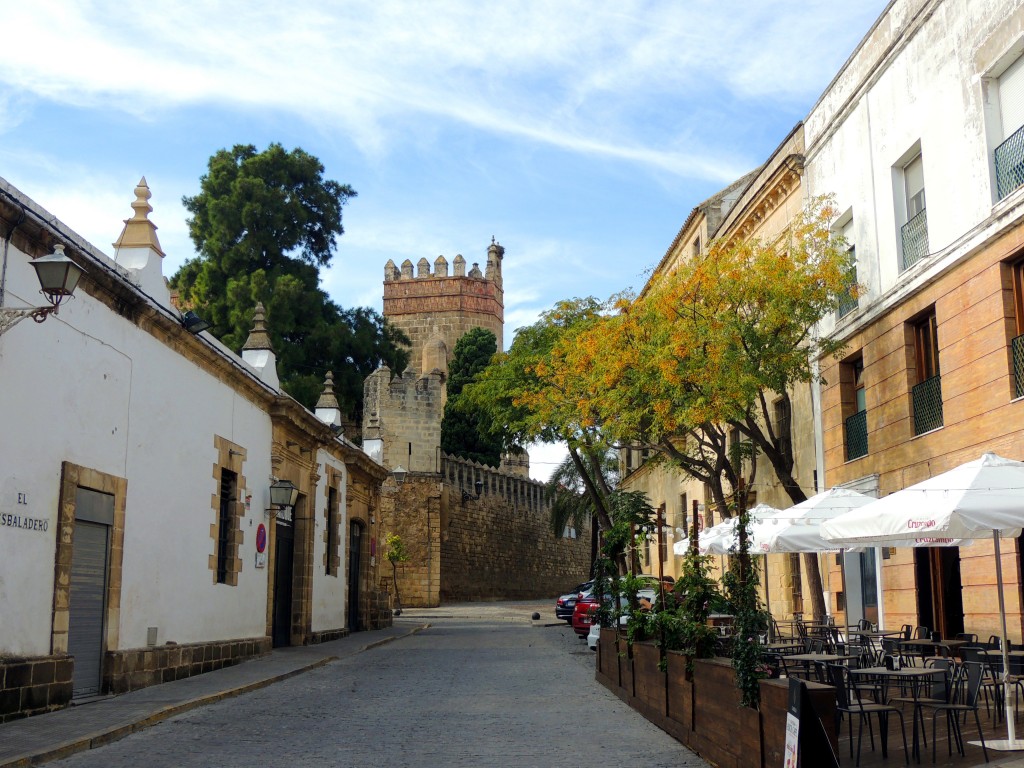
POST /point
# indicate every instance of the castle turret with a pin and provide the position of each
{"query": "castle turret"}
(434, 309)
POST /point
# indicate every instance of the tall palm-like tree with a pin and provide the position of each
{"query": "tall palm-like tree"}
(570, 503)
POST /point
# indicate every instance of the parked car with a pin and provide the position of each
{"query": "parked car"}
(585, 613)
(565, 604)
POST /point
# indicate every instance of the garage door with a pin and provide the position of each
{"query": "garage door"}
(88, 592)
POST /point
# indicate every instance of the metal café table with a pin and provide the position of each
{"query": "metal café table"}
(784, 649)
(805, 660)
(953, 646)
(916, 676)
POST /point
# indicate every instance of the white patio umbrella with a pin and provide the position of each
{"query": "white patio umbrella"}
(981, 497)
(722, 539)
(798, 528)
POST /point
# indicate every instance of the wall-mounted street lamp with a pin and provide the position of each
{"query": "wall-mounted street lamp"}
(478, 486)
(399, 474)
(283, 493)
(58, 277)
(194, 323)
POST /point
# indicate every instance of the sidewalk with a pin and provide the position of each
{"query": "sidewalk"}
(36, 740)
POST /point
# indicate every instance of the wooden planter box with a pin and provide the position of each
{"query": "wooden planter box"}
(724, 732)
(649, 682)
(680, 694)
(608, 659)
(705, 713)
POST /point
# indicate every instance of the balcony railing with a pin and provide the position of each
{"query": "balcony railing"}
(927, 400)
(1017, 349)
(857, 435)
(1009, 157)
(915, 239)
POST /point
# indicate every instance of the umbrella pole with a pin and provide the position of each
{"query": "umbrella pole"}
(1010, 744)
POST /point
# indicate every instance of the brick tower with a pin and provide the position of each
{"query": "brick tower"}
(402, 414)
(435, 309)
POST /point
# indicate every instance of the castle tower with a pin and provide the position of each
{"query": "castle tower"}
(434, 309)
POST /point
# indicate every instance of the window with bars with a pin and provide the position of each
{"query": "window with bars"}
(783, 414)
(1009, 155)
(848, 300)
(914, 233)
(1017, 342)
(227, 524)
(926, 394)
(333, 558)
(855, 425)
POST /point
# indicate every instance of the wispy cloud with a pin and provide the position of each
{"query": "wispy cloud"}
(570, 75)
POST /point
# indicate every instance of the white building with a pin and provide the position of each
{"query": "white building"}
(137, 539)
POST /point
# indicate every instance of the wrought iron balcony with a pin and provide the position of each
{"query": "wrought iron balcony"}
(1017, 349)
(1009, 158)
(915, 239)
(857, 435)
(847, 303)
(927, 400)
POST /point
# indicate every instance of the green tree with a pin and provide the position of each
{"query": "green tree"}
(570, 502)
(397, 553)
(467, 430)
(530, 399)
(264, 223)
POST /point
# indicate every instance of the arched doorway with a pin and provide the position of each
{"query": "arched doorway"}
(355, 558)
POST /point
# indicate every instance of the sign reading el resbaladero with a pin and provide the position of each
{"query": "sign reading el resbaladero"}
(25, 523)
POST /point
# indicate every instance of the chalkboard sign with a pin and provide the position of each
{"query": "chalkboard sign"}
(806, 740)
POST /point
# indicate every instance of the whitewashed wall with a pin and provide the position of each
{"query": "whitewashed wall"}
(918, 76)
(90, 387)
(329, 591)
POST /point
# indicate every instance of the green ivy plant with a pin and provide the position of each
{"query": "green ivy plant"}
(749, 619)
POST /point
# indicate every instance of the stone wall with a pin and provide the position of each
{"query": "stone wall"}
(134, 668)
(32, 686)
(500, 546)
(413, 511)
(404, 412)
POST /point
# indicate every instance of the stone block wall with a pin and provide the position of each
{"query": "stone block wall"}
(500, 546)
(32, 686)
(413, 511)
(134, 668)
(405, 413)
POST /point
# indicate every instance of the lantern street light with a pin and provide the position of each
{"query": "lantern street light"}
(283, 493)
(58, 277)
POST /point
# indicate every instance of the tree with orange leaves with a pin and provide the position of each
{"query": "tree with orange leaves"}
(715, 345)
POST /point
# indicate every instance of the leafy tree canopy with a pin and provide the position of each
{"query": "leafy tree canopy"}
(466, 430)
(264, 223)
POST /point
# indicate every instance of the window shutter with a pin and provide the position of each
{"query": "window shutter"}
(1011, 98)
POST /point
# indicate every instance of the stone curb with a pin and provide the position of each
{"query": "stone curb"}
(115, 733)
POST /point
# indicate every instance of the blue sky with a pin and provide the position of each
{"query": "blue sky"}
(578, 133)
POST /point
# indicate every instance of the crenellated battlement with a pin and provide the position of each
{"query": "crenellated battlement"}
(520, 492)
(434, 308)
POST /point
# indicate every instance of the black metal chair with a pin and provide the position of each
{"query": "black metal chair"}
(970, 637)
(906, 631)
(991, 686)
(953, 708)
(937, 691)
(853, 702)
(922, 633)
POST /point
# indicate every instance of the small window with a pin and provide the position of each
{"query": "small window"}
(848, 301)
(227, 524)
(926, 394)
(1017, 342)
(783, 425)
(855, 409)
(914, 233)
(696, 246)
(332, 556)
(1009, 155)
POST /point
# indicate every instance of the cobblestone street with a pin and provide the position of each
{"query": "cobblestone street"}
(483, 686)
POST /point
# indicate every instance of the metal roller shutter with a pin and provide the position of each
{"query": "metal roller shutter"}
(87, 604)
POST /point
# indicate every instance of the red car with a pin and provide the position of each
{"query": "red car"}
(584, 614)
